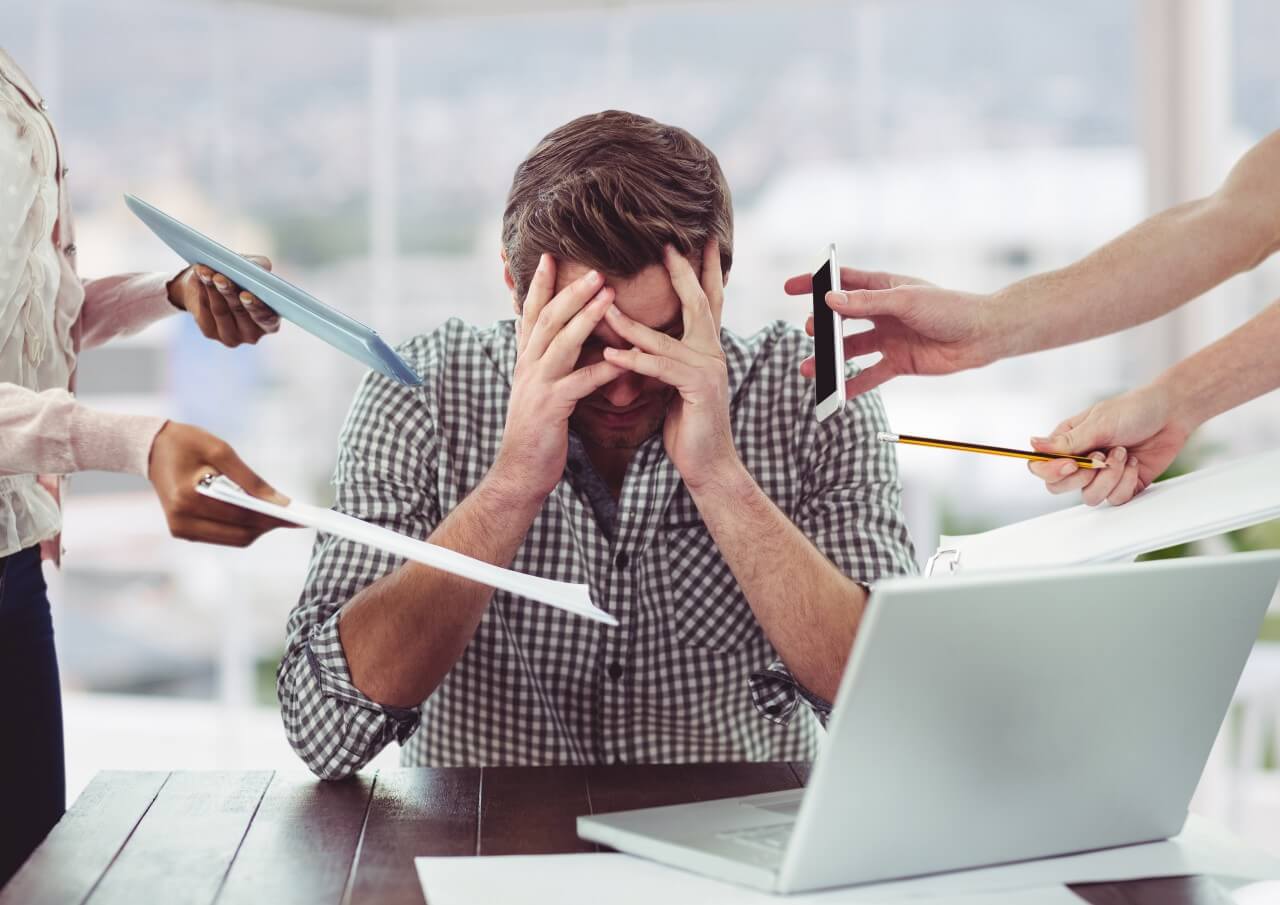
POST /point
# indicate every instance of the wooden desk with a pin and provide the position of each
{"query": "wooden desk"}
(263, 837)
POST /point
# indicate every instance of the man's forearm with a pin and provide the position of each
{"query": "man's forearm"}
(1153, 268)
(809, 610)
(1239, 367)
(403, 633)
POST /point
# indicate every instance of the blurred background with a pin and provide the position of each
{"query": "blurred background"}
(367, 148)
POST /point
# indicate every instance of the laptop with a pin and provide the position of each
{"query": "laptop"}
(987, 719)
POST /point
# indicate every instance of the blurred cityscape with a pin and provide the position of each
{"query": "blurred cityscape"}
(969, 144)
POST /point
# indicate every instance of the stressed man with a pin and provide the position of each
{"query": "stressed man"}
(612, 434)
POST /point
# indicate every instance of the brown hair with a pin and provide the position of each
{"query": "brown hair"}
(608, 190)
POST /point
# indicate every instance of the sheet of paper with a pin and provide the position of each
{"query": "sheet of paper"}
(1194, 506)
(573, 598)
(1201, 848)
(588, 879)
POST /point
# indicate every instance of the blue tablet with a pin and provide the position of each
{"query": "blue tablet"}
(291, 303)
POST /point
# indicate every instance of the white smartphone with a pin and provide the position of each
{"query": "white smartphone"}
(828, 341)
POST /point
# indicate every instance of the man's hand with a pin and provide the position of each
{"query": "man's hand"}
(918, 328)
(697, 433)
(180, 456)
(222, 310)
(547, 385)
(1141, 434)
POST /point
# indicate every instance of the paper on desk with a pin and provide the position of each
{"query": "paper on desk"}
(587, 879)
(573, 598)
(1201, 504)
(1201, 848)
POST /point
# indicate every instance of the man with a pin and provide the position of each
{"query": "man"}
(613, 435)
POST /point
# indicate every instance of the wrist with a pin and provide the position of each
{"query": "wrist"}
(511, 493)
(728, 481)
(1185, 404)
(173, 289)
(1001, 335)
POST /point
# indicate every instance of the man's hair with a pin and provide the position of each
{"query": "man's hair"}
(608, 190)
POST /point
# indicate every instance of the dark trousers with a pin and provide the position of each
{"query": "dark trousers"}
(32, 773)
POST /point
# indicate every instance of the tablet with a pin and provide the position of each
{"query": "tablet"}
(291, 303)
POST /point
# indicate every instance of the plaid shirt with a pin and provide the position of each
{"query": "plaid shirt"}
(688, 674)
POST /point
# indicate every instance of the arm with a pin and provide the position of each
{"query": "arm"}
(808, 609)
(123, 304)
(1144, 430)
(1153, 268)
(372, 638)
(1150, 270)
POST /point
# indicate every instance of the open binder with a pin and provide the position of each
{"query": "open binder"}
(1192, 507)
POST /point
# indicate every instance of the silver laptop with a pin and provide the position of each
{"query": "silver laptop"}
(992, 718)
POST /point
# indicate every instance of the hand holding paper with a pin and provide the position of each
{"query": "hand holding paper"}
(573, 598)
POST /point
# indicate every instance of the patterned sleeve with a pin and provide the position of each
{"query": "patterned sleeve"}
(851, 511)
(385, 475)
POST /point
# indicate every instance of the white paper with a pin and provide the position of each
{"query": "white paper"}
(1201, 848)
(588, 879)
(573, 598)
(1183, 509)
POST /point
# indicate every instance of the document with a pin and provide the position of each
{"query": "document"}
(1191, 507)
(1201, 848)
(573, 598)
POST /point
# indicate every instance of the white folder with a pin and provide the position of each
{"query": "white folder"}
(1201, 504)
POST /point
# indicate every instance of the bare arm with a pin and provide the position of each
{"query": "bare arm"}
(1153, 268)
(403, 633)
(808, 609)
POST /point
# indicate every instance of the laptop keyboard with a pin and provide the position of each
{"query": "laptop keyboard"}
(772, 838)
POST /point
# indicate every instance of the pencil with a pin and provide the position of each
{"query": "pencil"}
(1082, 461)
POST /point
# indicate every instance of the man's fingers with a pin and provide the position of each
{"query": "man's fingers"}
(671, 372)
(266, 318)
(1127, 485)
(207, 531)
(713, 278)
(852, 278)
(809, 368)
(647, 339)
(1077, 480)
(1107, 478)
(869, 302)
(800, 284)
(869, 378)
(864, 343)
(556, 313)
(541, 288)
(566, 345)
(1054, 470)
(583, 382)
(699, 327)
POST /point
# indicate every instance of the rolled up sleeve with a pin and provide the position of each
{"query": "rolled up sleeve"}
(851, 511)
(385, 475)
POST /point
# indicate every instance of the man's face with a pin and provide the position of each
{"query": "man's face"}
(630, 409)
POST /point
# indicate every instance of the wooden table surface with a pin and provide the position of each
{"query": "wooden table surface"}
(262, 837)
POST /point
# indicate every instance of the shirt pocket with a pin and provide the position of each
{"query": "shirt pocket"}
(709, 610)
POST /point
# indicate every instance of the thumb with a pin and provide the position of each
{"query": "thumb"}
(261, 260)
(866, 302)
(1073, 439)
(230, 464)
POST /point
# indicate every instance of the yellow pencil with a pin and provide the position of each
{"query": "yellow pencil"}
(1082, 461)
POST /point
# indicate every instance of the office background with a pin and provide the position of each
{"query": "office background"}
(367, 148)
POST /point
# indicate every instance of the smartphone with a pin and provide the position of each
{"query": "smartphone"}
(828, 341)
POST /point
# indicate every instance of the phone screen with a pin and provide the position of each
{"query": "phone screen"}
(824, 328)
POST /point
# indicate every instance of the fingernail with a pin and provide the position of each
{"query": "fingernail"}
(246, 299)
(1039, 439)
(593, 276)
(1121, 454)
(1097, 457)
(203, 279)
(1067, 468)
(835, 297)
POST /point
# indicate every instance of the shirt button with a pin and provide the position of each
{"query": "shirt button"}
(70, 249)
(43, 105)
(622, 560)
(615, 671)
(65, 171)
